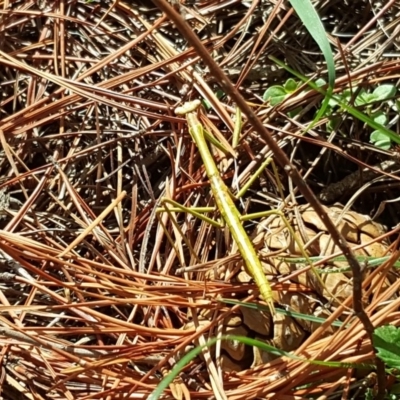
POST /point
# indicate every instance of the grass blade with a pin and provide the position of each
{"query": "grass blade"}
(310, 19)
(250, 342)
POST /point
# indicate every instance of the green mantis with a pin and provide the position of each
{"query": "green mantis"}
(230, 214)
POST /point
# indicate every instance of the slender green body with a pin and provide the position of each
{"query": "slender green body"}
(226, 206)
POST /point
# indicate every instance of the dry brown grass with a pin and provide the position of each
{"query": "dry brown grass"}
(92, 305)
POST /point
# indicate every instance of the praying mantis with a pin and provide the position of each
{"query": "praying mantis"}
(230, 214)
(226, 206)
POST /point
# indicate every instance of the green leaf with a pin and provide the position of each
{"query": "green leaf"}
(380, 117)
(379, 139)
(332, 103)
(394, 136)
(290, 86)
(349, 95)
(384, 92)
(219, 94)
(344, 96)
(275, 94)
(386, 341)
(380, 93)
(320, 82)
(365, 98)
(206, 104)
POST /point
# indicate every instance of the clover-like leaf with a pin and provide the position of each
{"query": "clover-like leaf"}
(386, 341)
(380, 117)
(320, 82)
(275, 94)
(290, 85)
(379, 139)
(384, 92)
(364, 98)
